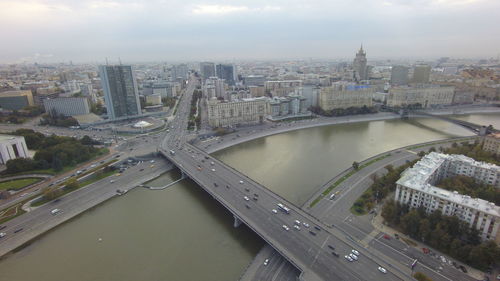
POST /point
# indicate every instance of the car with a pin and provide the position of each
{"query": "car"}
(317, 228)
(312, 233)
(355, 252)
(387, 237)
(296, 227)
(227, 186)
(266, 262)
(331, 247)
(18, 230)
(286, 227)
(381, 269)
(241, 182)
(255, 198)
(348, 258)
(212, 163)
(246, 198)
(215, 184)
(297, 222)
(2, 234)
(141, 170)
(247, 189)
(274, 211)
(332, 196)
(112, 181)
(248, 207)
(55, 211)
(335, 254)
(353, 256)
(213, 170)
(305, 224)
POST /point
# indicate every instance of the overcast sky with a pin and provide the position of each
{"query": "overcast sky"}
(176, 30)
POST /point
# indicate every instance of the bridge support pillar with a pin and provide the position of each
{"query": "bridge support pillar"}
(237, 221)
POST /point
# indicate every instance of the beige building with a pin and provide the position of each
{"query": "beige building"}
(242, 112)
(491, 143)
(345, 95)
(16, 100)
(427, 96)
(257, 91)
(283, 88)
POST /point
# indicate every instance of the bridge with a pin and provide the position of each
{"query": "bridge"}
(316, 249)
(475, 128)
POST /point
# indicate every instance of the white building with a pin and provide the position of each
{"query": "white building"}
(67, 106)
(416, 188)
(427, 96)
(12, 147)
(235, 113)
(288, 107)
(283, 88)
(215, 88)
(345, 95)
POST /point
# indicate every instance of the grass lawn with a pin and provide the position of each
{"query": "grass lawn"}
(18, 184)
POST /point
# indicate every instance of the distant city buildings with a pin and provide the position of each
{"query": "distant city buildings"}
(237, 113)
(226, 72)
(180, 71)
(120, 91)
(399, 75)
(283, 88)
(345, 95)
(215, 88)
(254, 80)
(416, 189)
(12, 147)
(207, 70)
(16, 100)
(425, 96)
(67, 106)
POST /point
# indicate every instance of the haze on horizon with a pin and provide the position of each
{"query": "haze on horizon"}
(174, 30)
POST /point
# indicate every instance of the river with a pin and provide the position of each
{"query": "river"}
(180, 233)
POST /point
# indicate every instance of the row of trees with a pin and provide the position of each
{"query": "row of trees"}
(467, 185)
(19, 116)
(58, 120)
(448, 234)
(474, 150)
(380, 187)
(194, 121)
(343, 111)
(52, 152)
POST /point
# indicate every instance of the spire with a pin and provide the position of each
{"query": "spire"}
(361, 49)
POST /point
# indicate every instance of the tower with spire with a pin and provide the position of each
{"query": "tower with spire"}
(359, 66)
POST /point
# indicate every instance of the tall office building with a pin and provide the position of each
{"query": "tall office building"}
(399, 75)
(421, 74)
(359, 66)
(226, 72)
(179, 71)
(207, 70)
(120, 91)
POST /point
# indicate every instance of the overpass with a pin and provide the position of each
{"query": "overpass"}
(475, 128)
(314, 248)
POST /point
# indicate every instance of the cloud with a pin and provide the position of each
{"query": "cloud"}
(228, 9)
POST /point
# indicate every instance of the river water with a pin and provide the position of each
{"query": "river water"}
(181, 234)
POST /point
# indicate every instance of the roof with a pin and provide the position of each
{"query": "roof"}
(8, 137)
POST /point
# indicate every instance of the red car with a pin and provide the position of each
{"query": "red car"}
(425, 250)
(387, 237)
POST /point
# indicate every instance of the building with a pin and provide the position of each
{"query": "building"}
(120, 91)
(67, 106)
(207, 70)
(12, 147)
(257, 91)
(16, 100)
(425, 96)
(153, 99)
(283, 88)
(179, 71)
(463, 97)
(254, 80)
(399, 75)
(345, 95)
(421, 74)
(282, 108)
(416, 189)
(359, 66)
(491, 143)
(236, 113)
(215, 88)
(226, 72)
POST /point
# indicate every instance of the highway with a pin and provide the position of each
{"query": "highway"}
(307, 249)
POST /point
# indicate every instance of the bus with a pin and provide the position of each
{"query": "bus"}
(284, 208)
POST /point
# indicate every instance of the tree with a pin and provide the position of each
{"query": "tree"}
(410, 223)
(20, 165)
(389, 211)
(71, 184)
(421, 153)
(424, 229)
(51, 193)
(355, 165)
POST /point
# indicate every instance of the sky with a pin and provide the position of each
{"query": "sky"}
(191, 30)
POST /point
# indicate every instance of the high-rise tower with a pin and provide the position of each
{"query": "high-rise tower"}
(120, 91)
(359, 66)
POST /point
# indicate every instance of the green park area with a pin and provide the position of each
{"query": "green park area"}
(17, 183)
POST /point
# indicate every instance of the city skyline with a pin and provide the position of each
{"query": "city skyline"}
(61, 30)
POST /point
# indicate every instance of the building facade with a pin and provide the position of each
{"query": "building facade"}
(399, 75)
(226, 72)
(179, 71)
(207, 70)
(254, 80)
(66, 106)
(421, 74)
(491, 143)
(12, 147)
(416, 189)
(120, 91)
(282, 108)
(16, 100)
(359, 66)
(236, 113)
(283, 88)
(215, 88)
(427, 96)
(345, 95)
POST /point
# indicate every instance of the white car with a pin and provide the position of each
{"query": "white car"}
(274, 211)
(2, 234)
(241, 182)
(297, 222)
(286, 227)
(213, 170)
(266, 262)
(355, 252)
(381, 269)
(246, 198)
(305, 224)
(55, 211)
(353, 256)
(348, 258)
(296, 227)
